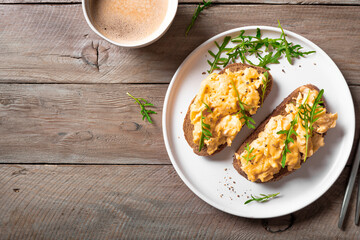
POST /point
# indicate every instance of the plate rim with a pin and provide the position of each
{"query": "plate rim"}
(166, 137)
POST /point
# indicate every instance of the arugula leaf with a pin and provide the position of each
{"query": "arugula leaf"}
(208, 109)
(249, 151)
(144, 103)
(205, 132)
(217, 60)
(309, 115)
(247, 45)
(264, 86)
(289, 133)
(263, 198)
(248, 120)
(199, 9)
(287, 51)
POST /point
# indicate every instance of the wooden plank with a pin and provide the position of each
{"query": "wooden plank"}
(143, 202)
(53, 44)
(303, 2)
(87, 124)
(79, 124)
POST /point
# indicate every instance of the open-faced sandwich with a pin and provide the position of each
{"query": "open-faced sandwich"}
(223, 105)
(293, 132)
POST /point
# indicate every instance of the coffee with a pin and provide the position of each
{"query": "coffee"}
(126, 21)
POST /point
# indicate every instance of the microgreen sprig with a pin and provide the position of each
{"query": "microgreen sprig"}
(248, 120)
(218, 61)
(309, 115)
(264, 86)
(208, 109)
(288, 139)
(263, 198)
(144, 103)
(249, 151)
(286, 44)
(205, 132)
(199, 9)
(247, 45)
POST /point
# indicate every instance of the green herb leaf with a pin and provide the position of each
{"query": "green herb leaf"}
(264, 198)
(309, 115)
(287, 51)
(249, 151)
(282, 132)
(289, 133)
(199, 9)
(215, 64)
(208, 109)
(205, 132)
(242, 112)
(144, 103)
(247, 45)
(264, 86)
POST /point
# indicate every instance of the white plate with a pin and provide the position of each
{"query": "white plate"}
(227, 190)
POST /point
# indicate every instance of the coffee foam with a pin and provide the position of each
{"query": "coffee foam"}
(127, 21)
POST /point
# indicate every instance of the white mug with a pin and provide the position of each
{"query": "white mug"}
(164, 26)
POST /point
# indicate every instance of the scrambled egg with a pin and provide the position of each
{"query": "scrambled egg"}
(269, 145)
(218, 93)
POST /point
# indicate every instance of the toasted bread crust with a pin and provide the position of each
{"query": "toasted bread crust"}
(279, 110)
(188, 127)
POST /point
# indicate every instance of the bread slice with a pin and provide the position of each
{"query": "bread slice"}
(279, 110)
(188, 127)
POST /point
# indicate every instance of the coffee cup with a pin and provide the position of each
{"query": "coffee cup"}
(130, 23)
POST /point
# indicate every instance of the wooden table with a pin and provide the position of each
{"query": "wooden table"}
(78, 162)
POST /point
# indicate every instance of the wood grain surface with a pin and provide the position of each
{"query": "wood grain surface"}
(338, 2)
(77, 161)
(143, 202)
(83, 123)
(80, 124)
(53, 44)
